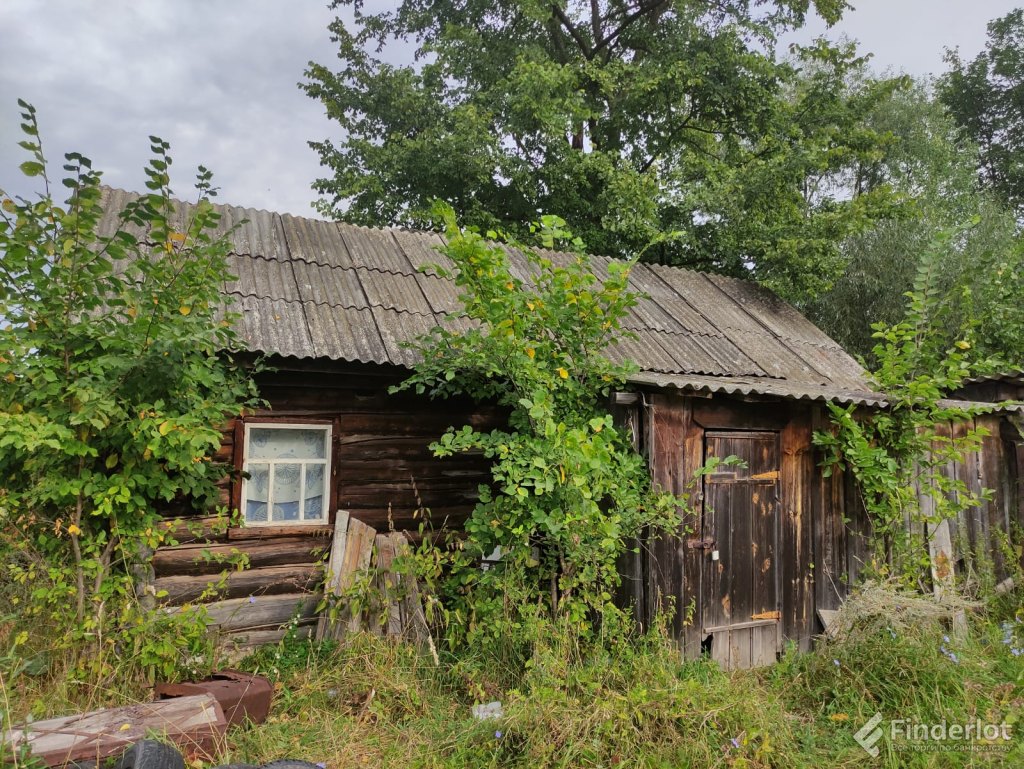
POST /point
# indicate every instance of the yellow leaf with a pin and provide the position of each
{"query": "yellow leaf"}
(531, 305)
(510, 285)
(530, 352)
(963, 345)
(839, 717)
(9, 206)
(563, 373)
(131, 312)
(184, 309)
(10, 378)
(177, 237)
(165, 427)
(74, 530)
(125, 727)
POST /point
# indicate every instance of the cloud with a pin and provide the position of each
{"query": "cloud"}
(216, 80)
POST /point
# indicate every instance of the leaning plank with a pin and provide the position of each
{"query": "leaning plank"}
(386, 619)
(196, 724)
(413, 620)
(332, 583)
(266, 581)
(358, 551)
(259, 612)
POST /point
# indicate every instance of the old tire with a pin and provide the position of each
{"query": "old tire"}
(237, 766)
(289, 763)
(150, 754)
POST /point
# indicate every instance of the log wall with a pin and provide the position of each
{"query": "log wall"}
(383, 473)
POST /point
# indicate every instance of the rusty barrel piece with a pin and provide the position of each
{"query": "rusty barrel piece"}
(241, 695)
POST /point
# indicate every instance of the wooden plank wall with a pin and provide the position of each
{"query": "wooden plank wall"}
(382, 472)
(984, 537)
(823, 527)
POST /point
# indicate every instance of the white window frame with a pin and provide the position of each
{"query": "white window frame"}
(324, 520)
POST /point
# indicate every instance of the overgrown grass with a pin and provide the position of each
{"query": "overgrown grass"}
(372, 702)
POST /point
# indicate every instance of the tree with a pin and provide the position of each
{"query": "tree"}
(985, 96)
(631, 120)
(974, 273)
(113, 391)
(570, 492)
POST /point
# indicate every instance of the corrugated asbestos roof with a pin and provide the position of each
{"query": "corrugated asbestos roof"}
(313, 289)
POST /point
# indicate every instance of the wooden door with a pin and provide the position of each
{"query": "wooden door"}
(739, 541)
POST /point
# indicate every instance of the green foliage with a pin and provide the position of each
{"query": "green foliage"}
(631, 119)
(569, 491)
(978, 274)
(112, 397)
(985, 96)
(898, 453)
(896, 656)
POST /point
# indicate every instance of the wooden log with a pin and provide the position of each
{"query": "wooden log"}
(195, 724)
(332, 581)
(187, 529)
(259, 612)
(213, 558)
(270, 532)
(248, 639)
(251, 582)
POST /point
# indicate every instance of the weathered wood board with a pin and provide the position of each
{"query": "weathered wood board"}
(195, 724)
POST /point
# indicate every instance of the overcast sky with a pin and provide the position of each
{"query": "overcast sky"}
(217, 79)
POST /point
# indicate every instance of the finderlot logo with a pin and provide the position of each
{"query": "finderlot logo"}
(869, 734)
(941, 736)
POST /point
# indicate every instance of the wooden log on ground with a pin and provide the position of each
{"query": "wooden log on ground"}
(271, 580)
(195, 724)
(213, 558)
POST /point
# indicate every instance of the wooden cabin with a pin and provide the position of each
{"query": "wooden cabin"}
(726, 368)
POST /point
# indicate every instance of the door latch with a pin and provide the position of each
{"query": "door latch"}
(708, 543)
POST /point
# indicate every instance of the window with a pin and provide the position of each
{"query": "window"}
(288, 468)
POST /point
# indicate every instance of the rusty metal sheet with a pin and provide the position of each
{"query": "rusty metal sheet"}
(242, 696)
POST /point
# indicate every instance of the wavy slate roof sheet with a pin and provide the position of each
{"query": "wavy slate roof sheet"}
(307, 289)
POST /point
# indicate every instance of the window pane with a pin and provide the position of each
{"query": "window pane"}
(286, 492)
(255, 504)
(267, 443)
(314, 492)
